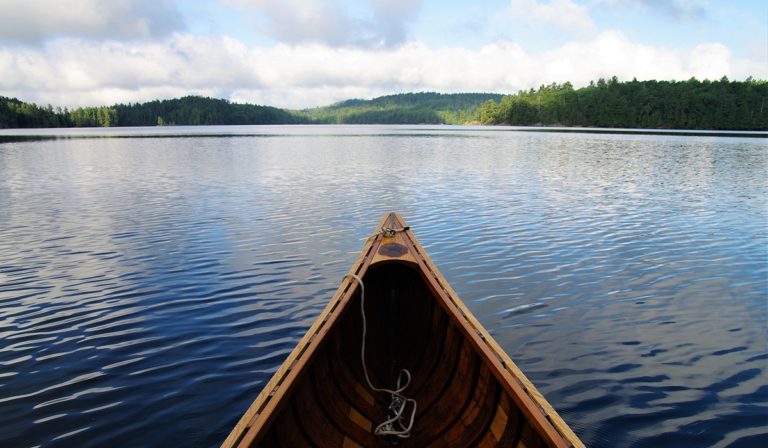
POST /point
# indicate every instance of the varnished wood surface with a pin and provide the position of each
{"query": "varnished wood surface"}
(469, 392)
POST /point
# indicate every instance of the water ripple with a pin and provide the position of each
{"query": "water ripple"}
(150, 287)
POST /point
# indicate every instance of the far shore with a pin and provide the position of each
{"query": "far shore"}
(169, 131)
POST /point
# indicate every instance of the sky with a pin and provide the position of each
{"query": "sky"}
(303, 53)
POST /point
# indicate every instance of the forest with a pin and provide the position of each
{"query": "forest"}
(404, 108)
(195, 111)
(187, 111)
(691, 104)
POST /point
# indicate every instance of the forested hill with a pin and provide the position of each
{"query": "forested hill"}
(196, 110)
(405, 108)
(692, 104)
(410, 108)
(190, 110)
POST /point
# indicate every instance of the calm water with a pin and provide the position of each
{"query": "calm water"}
(150, 286)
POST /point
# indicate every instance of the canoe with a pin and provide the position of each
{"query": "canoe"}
(395, 358)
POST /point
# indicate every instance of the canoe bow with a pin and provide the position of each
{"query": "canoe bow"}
(394, 244)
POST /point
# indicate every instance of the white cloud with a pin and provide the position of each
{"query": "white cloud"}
(33, 21)
(297, 21)
(391, 17)
(612, 53)
(564, 14)
(679, 9)
(329, 22)
(72, 72)
(710, 61)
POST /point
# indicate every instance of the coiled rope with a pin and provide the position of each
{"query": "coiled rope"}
(398, 401)
(388, 232)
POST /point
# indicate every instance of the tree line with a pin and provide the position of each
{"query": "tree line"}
(691, 104)
(18, 114)
(196, 110)
(190, 110)
(404, 108)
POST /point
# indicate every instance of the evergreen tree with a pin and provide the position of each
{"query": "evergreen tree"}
(691, 104)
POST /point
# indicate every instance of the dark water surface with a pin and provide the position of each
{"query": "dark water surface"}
(150, 286)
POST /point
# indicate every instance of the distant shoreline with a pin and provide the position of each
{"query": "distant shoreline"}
(608, 104)
(206, 131)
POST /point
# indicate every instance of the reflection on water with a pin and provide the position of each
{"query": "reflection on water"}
(149, 287)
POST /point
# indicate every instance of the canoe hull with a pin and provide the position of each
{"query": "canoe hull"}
(469, 392)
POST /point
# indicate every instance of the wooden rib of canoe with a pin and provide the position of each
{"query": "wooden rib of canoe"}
(469, 392)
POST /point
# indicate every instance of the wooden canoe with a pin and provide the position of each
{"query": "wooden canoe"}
(468, 392)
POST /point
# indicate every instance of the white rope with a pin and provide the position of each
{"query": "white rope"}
(388, 232)
(398, 400)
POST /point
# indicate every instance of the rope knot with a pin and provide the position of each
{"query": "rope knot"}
(389, 232)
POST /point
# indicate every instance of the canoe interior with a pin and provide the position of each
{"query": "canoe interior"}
(460, 402)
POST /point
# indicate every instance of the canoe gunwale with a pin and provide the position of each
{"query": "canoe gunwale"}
(263, 410)
(509, 375)
(531, 403)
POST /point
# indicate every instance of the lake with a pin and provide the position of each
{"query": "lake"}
(152, 280)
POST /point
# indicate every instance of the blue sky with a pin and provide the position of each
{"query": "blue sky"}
(301, 53)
